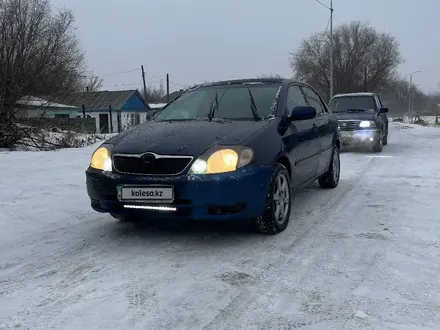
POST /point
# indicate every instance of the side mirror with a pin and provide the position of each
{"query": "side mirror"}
(303, 113)
(384, 110)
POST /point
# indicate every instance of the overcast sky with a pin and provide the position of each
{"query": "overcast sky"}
(198, 40)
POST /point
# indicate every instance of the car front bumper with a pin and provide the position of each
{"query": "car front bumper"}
(359, 137)
(236, 195)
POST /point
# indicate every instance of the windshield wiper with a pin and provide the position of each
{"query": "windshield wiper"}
(355, 110)
(254, 106)
(213, 108)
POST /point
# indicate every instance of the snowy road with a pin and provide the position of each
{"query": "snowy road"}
(363, 256)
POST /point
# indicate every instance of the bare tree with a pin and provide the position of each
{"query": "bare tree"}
(395, 95)
(153, 94)
(358, 48)
(94, 83)
(39, 56)
(434, 106)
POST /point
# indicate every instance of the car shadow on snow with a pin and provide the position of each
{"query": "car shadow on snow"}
(178, 229)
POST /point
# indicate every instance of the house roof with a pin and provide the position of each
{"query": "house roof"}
(34, 101)
(173, 95)
(156, 106)
(101, 100)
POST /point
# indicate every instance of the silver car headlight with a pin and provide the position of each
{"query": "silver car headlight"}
(367, 123)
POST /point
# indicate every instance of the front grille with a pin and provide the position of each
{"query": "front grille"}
(160, 165)
(349, 125)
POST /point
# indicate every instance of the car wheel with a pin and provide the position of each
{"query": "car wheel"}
(378, 147)
(331, 178)
(278, 203)
(125, 218)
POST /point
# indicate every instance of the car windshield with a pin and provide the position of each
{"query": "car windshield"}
(344, 103)
(234, 102)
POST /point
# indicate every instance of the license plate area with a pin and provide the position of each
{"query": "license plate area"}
(347, 134)
(146, 193)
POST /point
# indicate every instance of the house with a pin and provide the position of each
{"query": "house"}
(172, 96)
(114, 111)
(155, 107)
(36, 107)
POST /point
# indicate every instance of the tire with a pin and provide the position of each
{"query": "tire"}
(330, 179)
(125, 218)
(378, 147)
(279, 187)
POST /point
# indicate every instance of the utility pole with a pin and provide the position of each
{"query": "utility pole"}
(331, 49)
(168, 88)
(143, 79)
(331, 43)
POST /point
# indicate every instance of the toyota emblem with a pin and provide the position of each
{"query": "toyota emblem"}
(148, 158)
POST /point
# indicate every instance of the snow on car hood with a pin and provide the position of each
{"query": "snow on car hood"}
(183, 137)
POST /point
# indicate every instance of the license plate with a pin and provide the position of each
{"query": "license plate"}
(156, 194)
(346, 134)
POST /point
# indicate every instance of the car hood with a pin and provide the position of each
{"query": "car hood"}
(183, 137)
(354, 115)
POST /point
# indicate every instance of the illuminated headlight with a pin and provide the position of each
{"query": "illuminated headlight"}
(222, 160)
(365, 124)
(101, 159)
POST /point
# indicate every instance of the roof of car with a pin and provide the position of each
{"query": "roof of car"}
(354, 94)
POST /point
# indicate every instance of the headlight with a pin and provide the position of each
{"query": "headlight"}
(101, 159)
(222, 160)
(365, 124)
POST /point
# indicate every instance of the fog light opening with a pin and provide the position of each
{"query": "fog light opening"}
(371, 139)
(151, 207)
(226, 209)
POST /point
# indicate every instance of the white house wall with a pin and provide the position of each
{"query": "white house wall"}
(126, 121)
(49, 113)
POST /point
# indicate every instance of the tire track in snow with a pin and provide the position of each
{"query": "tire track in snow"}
(232, 314)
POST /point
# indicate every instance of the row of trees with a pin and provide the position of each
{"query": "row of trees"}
(364, 59)
(40, 55)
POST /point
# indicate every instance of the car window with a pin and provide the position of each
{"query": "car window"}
(314, 100)
(379, 102)
(295, 98)
(234, 102)
(344, 103)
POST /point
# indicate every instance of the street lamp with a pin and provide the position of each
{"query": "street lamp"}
(331, 42)
(410, 98)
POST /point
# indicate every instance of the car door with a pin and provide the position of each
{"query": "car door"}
(300, 141)
(325, 128)
(383, 116)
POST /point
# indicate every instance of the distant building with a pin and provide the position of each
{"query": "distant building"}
(34, 107)
(114, 111)
(172, 96)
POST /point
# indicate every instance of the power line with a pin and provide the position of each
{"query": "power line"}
(326, 28)
(120, 72)
(322, 4)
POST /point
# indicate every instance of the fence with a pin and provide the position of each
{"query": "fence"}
(79, 125)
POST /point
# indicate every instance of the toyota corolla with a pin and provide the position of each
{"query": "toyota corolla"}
(226, 150)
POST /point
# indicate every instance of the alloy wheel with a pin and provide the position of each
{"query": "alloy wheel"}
(281, 198)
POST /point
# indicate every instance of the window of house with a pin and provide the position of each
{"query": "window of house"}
(62, 116)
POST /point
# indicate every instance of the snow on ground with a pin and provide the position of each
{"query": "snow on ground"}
(362, 256)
